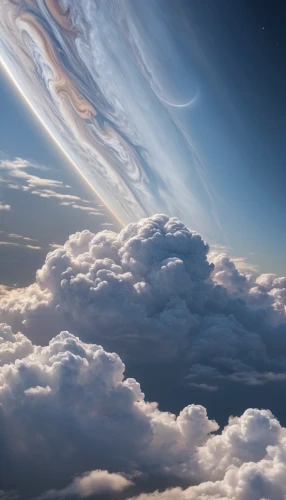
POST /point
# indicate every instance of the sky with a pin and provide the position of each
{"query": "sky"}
(32, 215)
(142, 250)
(242, 45)
(229, 58)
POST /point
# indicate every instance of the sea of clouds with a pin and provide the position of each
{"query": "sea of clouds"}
(75, 422)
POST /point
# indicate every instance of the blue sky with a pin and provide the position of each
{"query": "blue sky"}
(35, 224)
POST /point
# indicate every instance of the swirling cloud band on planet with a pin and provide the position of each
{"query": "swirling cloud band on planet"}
(86, 72)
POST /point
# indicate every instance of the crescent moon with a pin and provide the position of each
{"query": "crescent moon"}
(185, 105)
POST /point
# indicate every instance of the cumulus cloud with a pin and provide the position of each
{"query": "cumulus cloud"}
(265, 291)
(241, 263)
(66, 408)
(247, 461)
(150, 293)
(4, 207)
(251, 481)
(13, 346)
(90, 483)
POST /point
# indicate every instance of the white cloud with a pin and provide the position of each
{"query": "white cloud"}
(245, 266)
(49, 193)
(247, 461)
(261, 480)
(152, 285)
(149, 292)
(241, 263)
(86, 209)
(18, 236)
(13, 244)
(4, 207)
(265, 291)
(90, 483)
(67, 407)
(18, 168)
(96, 214)
(55, 245)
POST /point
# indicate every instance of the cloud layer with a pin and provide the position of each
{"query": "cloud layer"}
(82, 427)
(150, 288)
(66, 408)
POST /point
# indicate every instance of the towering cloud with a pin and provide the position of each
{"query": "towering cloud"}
(151, 294)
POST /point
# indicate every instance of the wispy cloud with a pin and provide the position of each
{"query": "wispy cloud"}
(90, 210)
(13, 244)
(17, 169)
(49, 193)
(241, 263)
(17, 236)
(16, 175)
(55, 245)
